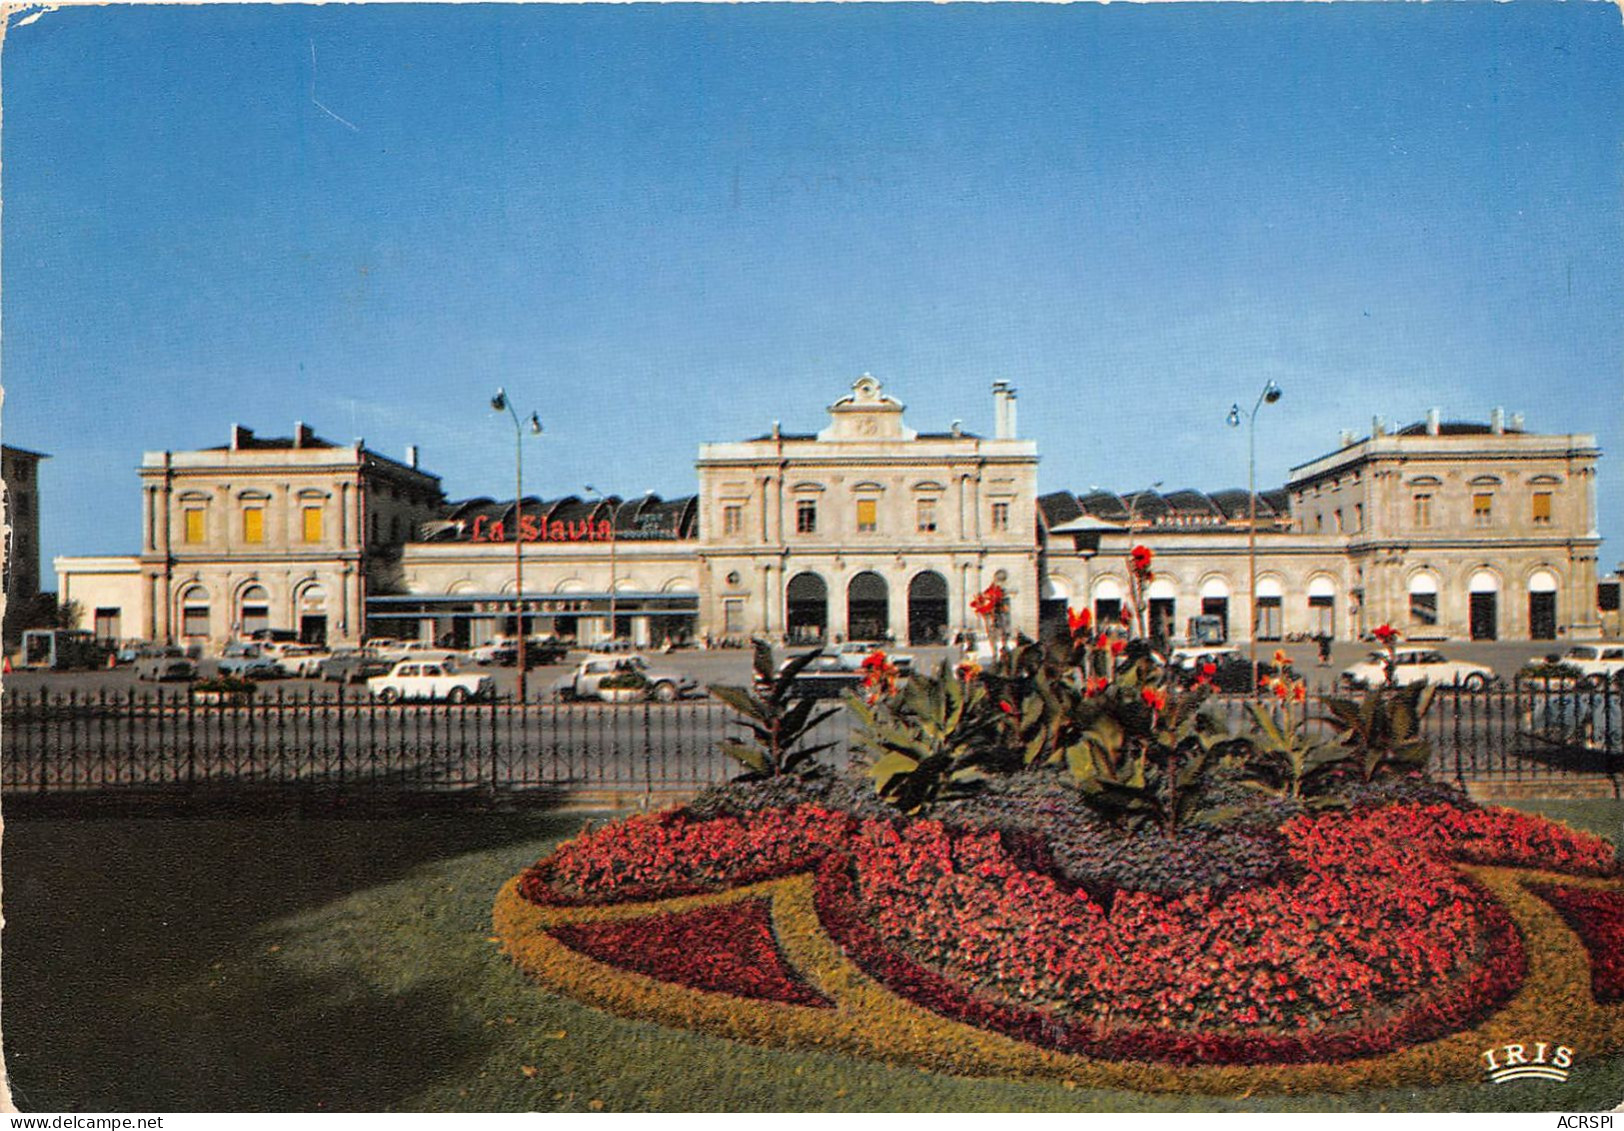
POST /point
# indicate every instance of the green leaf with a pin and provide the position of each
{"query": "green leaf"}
(742, 701)
(749, 756)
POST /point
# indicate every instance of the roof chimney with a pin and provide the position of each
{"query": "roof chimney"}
(1516, 422)
(411, 456)
(240, 436)
(301, 434)
(1497, 420)
(1344, 438)
(958, 428)
(1003, 414)
(1378, 426)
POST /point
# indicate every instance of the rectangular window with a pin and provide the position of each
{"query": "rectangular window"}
(312, 524)
(1358, 517)
(806, 516)
(868, 516)
(1423, 510)
(253, 525)
(107, 624)
(1482, 508)
(194, 531)
(1000, 516)
(194, 620)
(1337, 515)
(927, 516)
(732, 518)
(1542, 508)
(1319, 523)
(733, 616)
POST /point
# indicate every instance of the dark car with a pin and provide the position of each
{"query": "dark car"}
(1232, 673)
(826, 677)
(352, 667)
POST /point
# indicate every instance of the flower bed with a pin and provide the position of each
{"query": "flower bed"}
(1369, 943)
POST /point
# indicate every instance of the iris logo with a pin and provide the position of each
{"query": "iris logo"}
(1548, 1062)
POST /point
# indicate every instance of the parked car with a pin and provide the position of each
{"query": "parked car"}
(301, 661)
(1589, 720)
(1185, 663)
(1232, 670)
(852, 654)
(1597, 663)
(505, 653)
(247, 661)
(160, 664)
(825, 677)
(429, 679)
(582, 683)
(1419, 665)
(349, 665)
(423, 650)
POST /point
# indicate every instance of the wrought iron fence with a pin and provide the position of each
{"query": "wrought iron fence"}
(1523, 735)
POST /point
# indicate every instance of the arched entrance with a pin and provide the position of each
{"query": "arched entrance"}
(194, 613)
(868, 607)
(1270, 597)
(1107, 601)
(1542, 605)
(1484, 590)
(1423, 600)
(927, 608)
(806, 616)
(1322, 607)
(1215, 602)
(1052, 604)
(1163, 600)
(312, 614)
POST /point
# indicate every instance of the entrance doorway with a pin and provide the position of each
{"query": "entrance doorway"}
(1484, 588)
(927, 609)
(1542, 605)
(868, 607)
(807, 613)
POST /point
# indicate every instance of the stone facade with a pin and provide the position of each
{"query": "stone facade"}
(867, 529)
(260, 533)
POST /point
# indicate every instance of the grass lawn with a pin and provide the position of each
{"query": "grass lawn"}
(322, 964)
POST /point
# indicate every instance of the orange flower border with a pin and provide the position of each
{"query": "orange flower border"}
(870, 1021)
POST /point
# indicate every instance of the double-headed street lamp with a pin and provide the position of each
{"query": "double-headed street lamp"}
(500, 403)
(1270, 394)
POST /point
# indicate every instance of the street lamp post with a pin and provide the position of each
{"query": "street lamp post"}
(500, 403)
(612, 540)
(1270, 394)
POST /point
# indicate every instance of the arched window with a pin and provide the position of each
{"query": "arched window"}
(1268, 614)
(1423, 600)
(253, 611)
(1484, 592)
(194, 611)
(1107, 601)
(927, 608)
(806, 616)
(1322, 606)
(868, 607)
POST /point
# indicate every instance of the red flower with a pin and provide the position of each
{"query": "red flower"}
(1117, 645)
(1299, 693)
(1126, 617)
(879, 673)
(988, 601)
(1007, 707)
(1386, 633)
(1095, 685)
(1209, 669)
(1079, 621)
(1280, 658)
(1155, 698)
(1141, 556)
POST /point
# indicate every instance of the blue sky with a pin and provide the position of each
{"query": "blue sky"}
(660, 225)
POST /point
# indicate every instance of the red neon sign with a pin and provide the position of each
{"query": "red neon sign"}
(533, 529)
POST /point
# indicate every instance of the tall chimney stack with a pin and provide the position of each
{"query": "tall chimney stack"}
(1497, 420)
(1432, 422)
(411, 456)
(1003, 402)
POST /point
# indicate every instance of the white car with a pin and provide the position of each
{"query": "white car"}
(1419, 665)
(1189, 660)
(301, 661)
(582, 683)
(427, 679)
(854, 652)
(423, 650)
(1597, 663)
